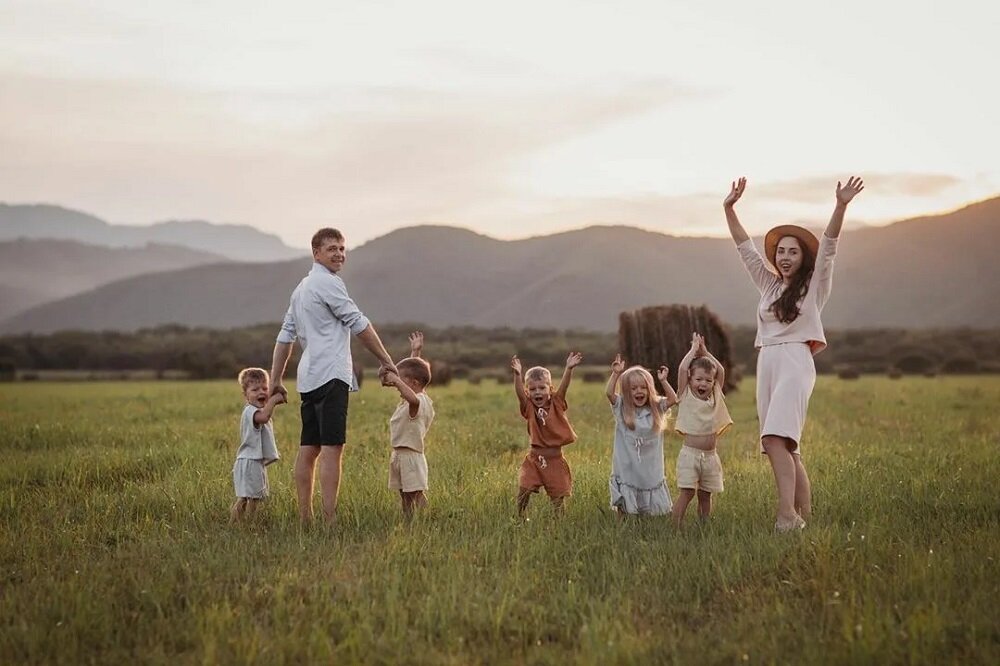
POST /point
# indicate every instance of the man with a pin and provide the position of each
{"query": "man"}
(323, 317)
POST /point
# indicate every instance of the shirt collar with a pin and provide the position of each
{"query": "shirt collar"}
(320, 268)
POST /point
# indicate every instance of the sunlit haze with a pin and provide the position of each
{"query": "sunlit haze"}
(512, 119)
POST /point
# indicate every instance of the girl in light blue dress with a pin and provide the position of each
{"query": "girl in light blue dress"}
(637, 483)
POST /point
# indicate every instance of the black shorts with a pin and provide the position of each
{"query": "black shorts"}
(324, 415)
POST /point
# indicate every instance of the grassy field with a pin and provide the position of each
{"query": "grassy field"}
(115, 547)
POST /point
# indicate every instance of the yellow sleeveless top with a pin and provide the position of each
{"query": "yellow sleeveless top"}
(702, 417)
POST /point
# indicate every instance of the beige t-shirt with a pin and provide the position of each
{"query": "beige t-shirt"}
(406, 432)
(807, 327)
(702, 417)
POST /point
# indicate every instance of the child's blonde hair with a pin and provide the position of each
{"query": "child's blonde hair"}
(252, 375)
(538, 372)
(634, 376)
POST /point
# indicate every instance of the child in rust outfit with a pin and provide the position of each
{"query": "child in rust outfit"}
(549, 431)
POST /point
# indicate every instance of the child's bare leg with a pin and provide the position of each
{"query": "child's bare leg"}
(253, 506)
(523, 495)
(559, 504)
(411, 501)
(803, 489)
(681, 505)
(704, 504)
(237, 509)
(783, 465)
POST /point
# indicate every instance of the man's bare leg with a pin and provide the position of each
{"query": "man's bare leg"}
(329, 480)
(305, 464)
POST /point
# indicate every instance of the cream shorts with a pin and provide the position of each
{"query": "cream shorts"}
(407, 471)
(250, 478)
(699, 470)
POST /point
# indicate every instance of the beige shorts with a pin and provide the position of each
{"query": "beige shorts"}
(699, 470)
(407, 471)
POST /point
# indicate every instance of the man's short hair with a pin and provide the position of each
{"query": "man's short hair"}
(415, 368)
(249, 376)
(325, 234)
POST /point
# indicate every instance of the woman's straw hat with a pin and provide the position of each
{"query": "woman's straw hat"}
(805, 237)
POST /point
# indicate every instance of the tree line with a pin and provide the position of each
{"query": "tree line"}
(461, 351)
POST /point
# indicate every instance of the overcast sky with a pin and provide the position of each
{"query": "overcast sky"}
(510, 118)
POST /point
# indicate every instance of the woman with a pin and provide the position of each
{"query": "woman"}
(793, 291)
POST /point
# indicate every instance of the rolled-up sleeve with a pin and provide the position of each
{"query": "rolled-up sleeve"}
(754, 263)
(287, 333)
(823, 272)
(343, 307)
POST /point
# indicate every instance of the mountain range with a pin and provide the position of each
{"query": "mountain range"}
(234, 241)
(42, 270)
(934, 271)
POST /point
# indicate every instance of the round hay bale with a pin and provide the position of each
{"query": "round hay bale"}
(661, 335)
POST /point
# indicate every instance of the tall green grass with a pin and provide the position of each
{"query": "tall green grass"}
(115, 547)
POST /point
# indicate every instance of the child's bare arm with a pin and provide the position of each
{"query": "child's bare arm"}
(684, 368)
(720, 371)
(668, 390)
(617, 367)
(574, 359)
(405, 392)
(263, 415)
(416, 344)
(515, 367)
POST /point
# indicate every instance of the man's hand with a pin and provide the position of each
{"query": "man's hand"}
(280, 388)
(385, 368)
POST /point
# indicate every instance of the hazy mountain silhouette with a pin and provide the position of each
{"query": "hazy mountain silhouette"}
(237, 242)
(37, 271)
(937, 271)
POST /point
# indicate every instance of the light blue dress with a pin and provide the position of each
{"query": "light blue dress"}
(637, 483)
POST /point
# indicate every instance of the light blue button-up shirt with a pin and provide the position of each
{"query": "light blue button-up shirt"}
(322, 317)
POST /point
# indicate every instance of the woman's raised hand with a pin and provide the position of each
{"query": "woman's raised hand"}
(735, 192)
(849, 191)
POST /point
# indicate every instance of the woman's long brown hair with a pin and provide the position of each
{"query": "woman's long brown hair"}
(786, 306)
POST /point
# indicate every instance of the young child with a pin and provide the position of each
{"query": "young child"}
(257, 446)
(408, 427)
(548, 429)
(637, 483)
(702, 417)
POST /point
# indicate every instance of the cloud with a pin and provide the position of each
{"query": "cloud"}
(376, 157)
(821, 188)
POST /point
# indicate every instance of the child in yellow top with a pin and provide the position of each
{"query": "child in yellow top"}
(408, 427)
(702, 417)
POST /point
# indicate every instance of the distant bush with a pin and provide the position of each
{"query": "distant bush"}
(914, 364)
(895, 373)
(594, 377)
(441, 373)
(848, 373)
(8, 370)
(960, 365)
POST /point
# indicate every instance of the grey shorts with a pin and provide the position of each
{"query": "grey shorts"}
(250, 478)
